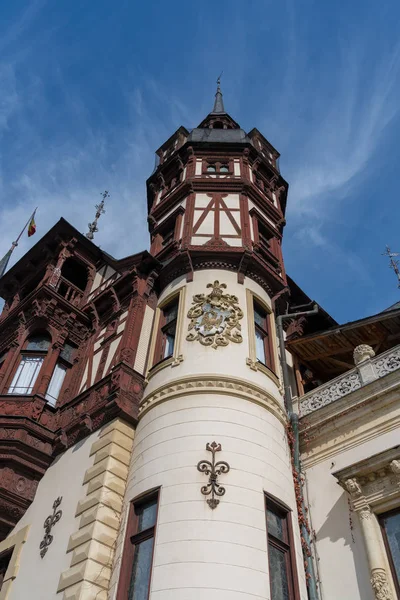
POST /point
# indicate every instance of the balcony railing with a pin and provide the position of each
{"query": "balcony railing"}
(366, 372)
(69, 291)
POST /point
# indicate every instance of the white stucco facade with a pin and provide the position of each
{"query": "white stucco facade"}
(38, 577)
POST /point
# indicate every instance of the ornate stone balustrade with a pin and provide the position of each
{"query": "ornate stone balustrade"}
(366, 371)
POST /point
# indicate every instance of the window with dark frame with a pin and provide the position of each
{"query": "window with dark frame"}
(167, 331)
(262, 335)
(60, 370)
(32, 358)
(390, 527)
(138, 552)
(282, 567)
(264, 236)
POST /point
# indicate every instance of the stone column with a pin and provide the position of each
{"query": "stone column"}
(373, 544)
(372, 538)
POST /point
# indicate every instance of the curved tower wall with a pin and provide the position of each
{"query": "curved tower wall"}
(213, 395)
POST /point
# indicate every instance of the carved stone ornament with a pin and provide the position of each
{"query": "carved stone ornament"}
(48, 525)
(214, 318)
(362, 352)
(213, 469)
(380, 585)
(395, 467)
(365, 513)
(353, 487)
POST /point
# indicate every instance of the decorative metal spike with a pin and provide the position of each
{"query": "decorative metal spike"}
(100, 210)
(393, 264)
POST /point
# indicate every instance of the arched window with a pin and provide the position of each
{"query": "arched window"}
(211, 169)
(224, 168)
(31, 361)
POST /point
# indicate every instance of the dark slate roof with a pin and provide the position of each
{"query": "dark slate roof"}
(393, 307)
(227, 136)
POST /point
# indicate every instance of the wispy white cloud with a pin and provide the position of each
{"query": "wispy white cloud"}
(349, 117)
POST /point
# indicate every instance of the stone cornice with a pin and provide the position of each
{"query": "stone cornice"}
(213, 384)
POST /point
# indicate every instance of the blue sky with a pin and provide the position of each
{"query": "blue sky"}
(89, 90)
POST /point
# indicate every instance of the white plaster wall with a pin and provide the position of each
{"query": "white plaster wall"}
(200, 552)
(38, 577)
(343, 562)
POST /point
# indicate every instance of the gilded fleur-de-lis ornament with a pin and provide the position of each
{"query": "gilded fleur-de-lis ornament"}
(214, 318)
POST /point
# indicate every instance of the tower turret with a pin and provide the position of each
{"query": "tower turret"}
(211, 470)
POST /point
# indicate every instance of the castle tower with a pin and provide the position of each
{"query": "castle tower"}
(193, 530)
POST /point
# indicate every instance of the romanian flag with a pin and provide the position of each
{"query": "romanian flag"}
(32, 226)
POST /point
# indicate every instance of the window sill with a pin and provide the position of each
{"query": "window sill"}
(171, 361)
(256, 365)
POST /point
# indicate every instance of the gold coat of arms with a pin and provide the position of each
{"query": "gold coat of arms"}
(215, 318)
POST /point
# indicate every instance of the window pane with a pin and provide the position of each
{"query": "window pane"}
(39, 342)
(169, 345)
(25, 377)
(67, 352)
(392, 528)
(171, 312)
(260, 347)
(278, 574)
(55, 384)
(224, 169)
(211, 169)
(140, 579)
(147, 515)
(276, 525)
(259, 316)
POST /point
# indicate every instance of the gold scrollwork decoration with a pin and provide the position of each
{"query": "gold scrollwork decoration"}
(214, 318)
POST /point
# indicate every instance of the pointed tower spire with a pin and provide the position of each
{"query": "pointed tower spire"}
(218, 103)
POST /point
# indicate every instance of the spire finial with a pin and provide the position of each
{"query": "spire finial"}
(99, 211)
(393, 264)
(218, 103)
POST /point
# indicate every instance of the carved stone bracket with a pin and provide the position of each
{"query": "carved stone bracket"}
(48, 526)
(213, 470)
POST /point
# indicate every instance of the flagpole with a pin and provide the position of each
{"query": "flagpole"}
(5, 260)
(29, 220)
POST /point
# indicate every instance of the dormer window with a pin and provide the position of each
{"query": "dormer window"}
(218, 125)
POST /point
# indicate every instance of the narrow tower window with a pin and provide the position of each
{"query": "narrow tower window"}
(282, 571)
(167, 331)
(59, 373)
(138, 552)
(263, 337)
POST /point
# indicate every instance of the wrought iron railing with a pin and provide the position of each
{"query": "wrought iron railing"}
(364, 373)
